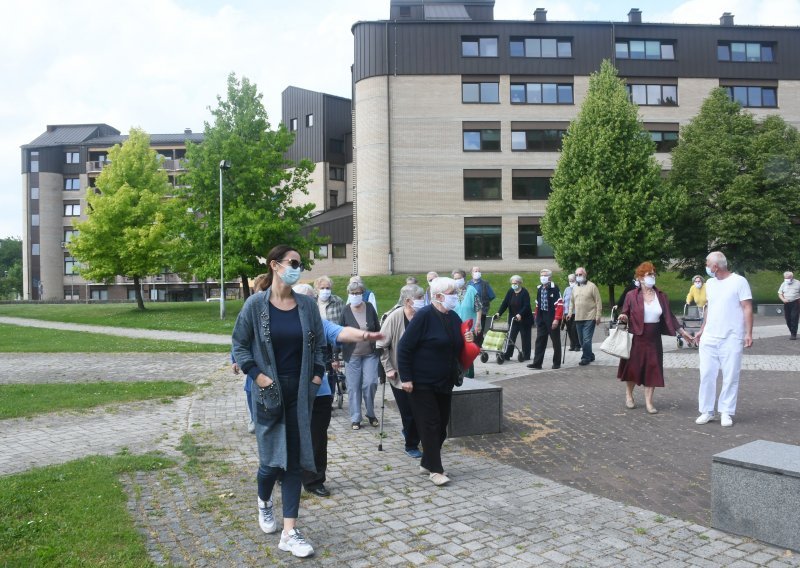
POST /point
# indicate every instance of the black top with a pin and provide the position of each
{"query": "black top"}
(287, 340)
(517, 304)
(428, 350)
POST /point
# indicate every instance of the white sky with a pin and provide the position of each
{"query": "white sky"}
(159, 64)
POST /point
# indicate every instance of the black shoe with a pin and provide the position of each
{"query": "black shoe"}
(794, 336)
(319, 491)
(556, 366)
(532, 366)
(574, 348)
(584, 362)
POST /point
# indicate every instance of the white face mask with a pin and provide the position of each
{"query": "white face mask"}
(459, 282)
(325, 294)
(580, 279)
(787, 281)
(449, 302)
(544, 279)
(515, 287)
(649, 281)
(698, 285)
(476, 276)
(418, 305)
(355, 299)
(572, 284)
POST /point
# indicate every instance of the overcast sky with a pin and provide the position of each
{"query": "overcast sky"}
(159, 64)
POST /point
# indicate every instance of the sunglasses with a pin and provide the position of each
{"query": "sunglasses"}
(293, 263)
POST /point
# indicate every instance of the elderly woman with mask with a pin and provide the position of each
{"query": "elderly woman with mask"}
(330, 305)
(520, 317)
(427, 359)
(412, 299)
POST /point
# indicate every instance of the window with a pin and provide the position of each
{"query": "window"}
(644, 49)
(293, 125)
(754, 97)
(309, 120)
(336, 173)
(484, 140)
(488, 92)
(34, 220)
(70, 265)
(541, 93)
(336, 146)
(333, 199)
(747, 52)
(34, 162)
(405, 11)
(653, 95)
(339, 251)
(480, 185)
(100, 294)
(73, 157)
(540, 47)
(72, 184)
(483, 238)
(72, 210)
(665, 141)
(70, 234)
(35, 249)
(531, 243)
(322, 252)
(479, 46)
(537, 140)
(34, 193)
(70, 294)
(530, 184)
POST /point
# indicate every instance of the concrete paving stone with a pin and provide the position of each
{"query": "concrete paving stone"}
(743, 564)
(556, 557)
(760, 558)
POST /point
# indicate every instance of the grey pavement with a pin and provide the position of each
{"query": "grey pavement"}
(382, 512)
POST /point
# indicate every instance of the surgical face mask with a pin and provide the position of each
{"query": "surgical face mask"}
(649, 281)
(580, 279)
(418, 304)
(572, 284)
(710, 274)
(787, 281)
(355, 299)
(515, 287)
(476, 275)
(324, 294)
(459, 282)
(698, 285)
(290, 275)
(637, 283)
(544, 279)
(449, 302)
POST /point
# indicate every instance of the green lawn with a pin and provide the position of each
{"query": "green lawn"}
(17, 401)
(73, 514)
(19, 339)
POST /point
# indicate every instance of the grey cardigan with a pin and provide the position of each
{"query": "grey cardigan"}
(252, 348)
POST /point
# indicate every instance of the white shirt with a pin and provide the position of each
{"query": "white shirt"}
(652, 311)
(725, 316)
(790, 291)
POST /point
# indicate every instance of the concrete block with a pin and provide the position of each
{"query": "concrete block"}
(755, 492)
(770, 309)
(477, 408)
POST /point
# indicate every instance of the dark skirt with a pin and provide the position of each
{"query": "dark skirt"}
(646, 363)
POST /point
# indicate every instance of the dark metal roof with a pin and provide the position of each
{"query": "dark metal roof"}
(68, 134)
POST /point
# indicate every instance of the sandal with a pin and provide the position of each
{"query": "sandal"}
(373, 421)
(356, 426)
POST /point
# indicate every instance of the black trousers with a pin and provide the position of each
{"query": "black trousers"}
(432, 413)
(410, 433)
(320, 420)
(791, 311)
(543, 331)
(523, 329)
(572, 333)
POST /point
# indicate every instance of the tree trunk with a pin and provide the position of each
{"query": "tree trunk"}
(245, 286)
(138, 288)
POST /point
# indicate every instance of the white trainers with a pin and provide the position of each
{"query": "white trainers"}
(251, 427)
(294, 542)
(705, 418)
(439, 479)
(266, 517)
(725, 420)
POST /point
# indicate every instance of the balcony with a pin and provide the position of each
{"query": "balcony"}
(169, 165)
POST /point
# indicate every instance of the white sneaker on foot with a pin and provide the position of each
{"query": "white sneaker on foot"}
(439, 478)
(725, 420)
(705, 418)
(294, 542)
(251, 427)
(266, 517)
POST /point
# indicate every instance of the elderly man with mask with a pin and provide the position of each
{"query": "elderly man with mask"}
(547, 317)
(789, 293)
(586, 308)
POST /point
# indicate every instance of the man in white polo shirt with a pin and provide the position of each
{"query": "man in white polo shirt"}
(728, 327)
(789, 293)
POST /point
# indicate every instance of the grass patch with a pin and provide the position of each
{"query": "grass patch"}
(17, 401)
(19, 339)
(74, 514)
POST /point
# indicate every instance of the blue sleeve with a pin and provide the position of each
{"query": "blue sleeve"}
(332, 331)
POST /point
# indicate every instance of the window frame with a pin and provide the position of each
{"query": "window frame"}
(544, 141)
(526, 89)
(310, 120)
(531, 193)
(338, 250)
(730, 89)
(490, 184)
(537, 231)
(70, 182)
(727, 47)
(292, 125)
(70, 264)
(482, 141)
(527, 42)
(631, 87)
(474, 225)
(72, 157)
(654, 45)
(480, 85)
(479, 41)
(664, 146)
(72, 210)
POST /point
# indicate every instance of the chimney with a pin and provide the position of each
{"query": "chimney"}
(726, 19)
(187, 131)
(635, 16)
(540, 15)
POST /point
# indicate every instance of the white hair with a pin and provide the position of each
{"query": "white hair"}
(411, 292)
(571, 278)
(546, 272)
(304, 289)
(355, 285)
(718, 258)
(788, 273)
(441, 285)
(515, 278)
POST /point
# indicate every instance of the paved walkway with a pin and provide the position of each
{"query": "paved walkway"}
(496, 512)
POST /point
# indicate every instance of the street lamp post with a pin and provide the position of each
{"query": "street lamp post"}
(223, 165)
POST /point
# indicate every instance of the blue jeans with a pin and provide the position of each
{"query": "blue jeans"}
(361, 372)
(585, 335)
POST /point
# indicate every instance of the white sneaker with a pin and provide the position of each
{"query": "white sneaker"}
(705, 418)
(294, 542)
(251, 427)
(266, 517)
(725, 420)
(439, 479)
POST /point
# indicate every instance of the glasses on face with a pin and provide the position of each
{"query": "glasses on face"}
(293, 263)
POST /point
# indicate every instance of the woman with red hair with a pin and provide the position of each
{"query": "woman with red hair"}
(646, 311)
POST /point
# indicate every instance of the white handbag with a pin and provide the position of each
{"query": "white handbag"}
(618, 342)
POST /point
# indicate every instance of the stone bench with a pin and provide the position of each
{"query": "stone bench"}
(477, 408)
(755, 492)
(770, 309)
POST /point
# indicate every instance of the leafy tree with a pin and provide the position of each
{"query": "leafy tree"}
(257, 189)
(10, 268)
(129, 228)
(608, 205)
(740, 180)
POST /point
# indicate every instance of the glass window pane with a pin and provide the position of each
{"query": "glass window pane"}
(754, 52)
(483, 242)
(565, 49)
(654, 94)
(667, 51)
(490, 140)
(534, 93)
(470, 93)
(656, 136)
(543, 249)
(549, 48)
(622, 50)
(533, 47)
(637, 49)
(653, 50)
(565, 94)
(740, 95)
(516, 49)
(754, 96)
(766, 53)
(490, 92)
(472, 141)
(517, 93)
(518, 140)
(549, 93)
(488, 46)
(769, 97)
(738, 52)
(670, 94)
(469, 48)
(639, 94)
(526, 235)
(723, 52)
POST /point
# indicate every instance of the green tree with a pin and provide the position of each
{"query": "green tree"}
(10, 268)
(257, 189)
(130, 227)
(740, 181)
(608, 205)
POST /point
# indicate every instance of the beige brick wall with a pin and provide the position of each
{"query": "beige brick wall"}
(330, 266)
(51, 231)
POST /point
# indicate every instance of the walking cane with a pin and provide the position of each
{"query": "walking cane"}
(382, 375)
(564, 343)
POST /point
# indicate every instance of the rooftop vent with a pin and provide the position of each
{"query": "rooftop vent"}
(726, 19)
(187, 131)
(540, 15)
(635, 16)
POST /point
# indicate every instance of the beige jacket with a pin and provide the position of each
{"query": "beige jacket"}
(393, 328)
(586, 303)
